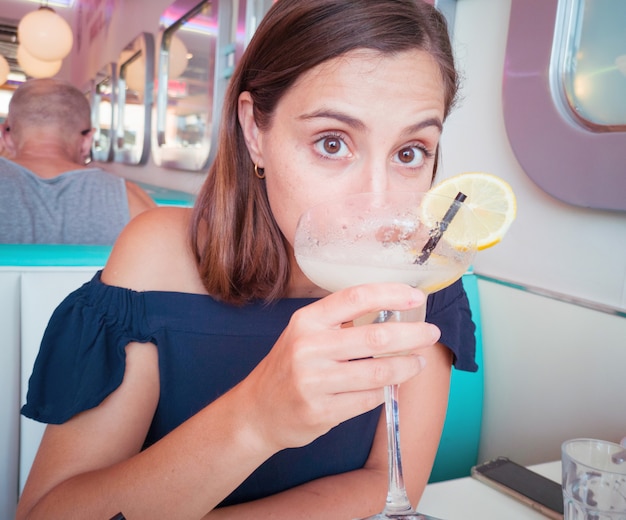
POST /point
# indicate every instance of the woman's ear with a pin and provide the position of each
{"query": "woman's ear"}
(251, 132)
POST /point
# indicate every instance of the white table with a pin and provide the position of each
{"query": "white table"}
(469, 499)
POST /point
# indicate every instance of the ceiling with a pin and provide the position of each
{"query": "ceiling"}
(12, 11)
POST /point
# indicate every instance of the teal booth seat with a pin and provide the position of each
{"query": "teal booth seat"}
(168, 197)
(458, 448)
(57, 255)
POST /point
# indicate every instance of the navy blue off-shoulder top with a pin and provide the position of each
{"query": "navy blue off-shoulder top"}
(205, 347)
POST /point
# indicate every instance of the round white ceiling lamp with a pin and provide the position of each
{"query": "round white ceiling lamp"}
(35, 67)
(45, 35)
(178, 55)
(135, 71)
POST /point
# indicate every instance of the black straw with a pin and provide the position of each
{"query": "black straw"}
(441, 228)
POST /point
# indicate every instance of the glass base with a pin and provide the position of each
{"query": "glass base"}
(400, 516)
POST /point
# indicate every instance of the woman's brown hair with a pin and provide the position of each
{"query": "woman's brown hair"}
(241, 253)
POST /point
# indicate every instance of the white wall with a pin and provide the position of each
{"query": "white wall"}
(553, 371)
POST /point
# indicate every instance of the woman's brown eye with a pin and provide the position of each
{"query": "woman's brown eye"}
(406, 155)
(332, 145)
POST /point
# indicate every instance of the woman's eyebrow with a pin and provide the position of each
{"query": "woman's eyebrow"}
(430, 122)
(357, 124)
(352, 122)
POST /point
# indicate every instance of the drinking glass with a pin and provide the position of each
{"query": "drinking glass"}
(594, 480)
(421, 239)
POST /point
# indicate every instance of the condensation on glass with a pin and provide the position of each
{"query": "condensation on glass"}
(588, 67)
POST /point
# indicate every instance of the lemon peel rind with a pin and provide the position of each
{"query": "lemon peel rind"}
(452, 185)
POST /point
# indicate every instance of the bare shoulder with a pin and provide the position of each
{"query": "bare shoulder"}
(153, 253)
(138, 199)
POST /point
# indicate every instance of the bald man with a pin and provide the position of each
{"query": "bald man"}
(47, 193)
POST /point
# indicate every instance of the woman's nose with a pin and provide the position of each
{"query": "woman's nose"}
(375, 177)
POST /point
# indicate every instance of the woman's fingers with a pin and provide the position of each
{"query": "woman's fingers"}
(315, 328)
(322, 399)
(374, 340)
(348, 304)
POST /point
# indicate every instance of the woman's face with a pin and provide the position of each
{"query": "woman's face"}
(361, 122)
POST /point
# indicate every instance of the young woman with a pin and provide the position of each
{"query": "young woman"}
(201, 373)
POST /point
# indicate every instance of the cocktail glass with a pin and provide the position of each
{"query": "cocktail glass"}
(421, 239)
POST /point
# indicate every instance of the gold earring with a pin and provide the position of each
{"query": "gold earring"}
(259, 172)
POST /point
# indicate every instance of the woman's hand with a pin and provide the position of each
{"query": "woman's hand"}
(321, 373)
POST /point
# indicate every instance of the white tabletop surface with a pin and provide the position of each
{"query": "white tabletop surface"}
(469, 499)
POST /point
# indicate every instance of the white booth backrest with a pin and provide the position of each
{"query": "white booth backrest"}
(41, 292)
(33, 281)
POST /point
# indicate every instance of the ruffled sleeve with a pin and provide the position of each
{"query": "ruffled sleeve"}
(449, 309)
(82, 355)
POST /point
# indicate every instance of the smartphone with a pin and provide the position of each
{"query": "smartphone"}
(531, 488)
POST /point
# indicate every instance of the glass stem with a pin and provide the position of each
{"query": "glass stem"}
(397, 499)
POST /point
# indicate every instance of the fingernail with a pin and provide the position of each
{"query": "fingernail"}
(422, 362)
(417, 296)
(434, 332)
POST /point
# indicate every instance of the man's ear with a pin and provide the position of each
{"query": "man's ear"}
(7, 145)
(85, 146)
(251, 132)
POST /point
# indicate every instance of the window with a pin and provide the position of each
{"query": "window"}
(563, 98)
(588, 68)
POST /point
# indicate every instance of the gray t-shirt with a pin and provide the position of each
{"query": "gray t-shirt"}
(87, 206)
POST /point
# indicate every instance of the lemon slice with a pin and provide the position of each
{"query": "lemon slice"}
(491, 199)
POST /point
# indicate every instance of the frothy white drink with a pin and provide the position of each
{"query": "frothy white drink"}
(327, 270)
